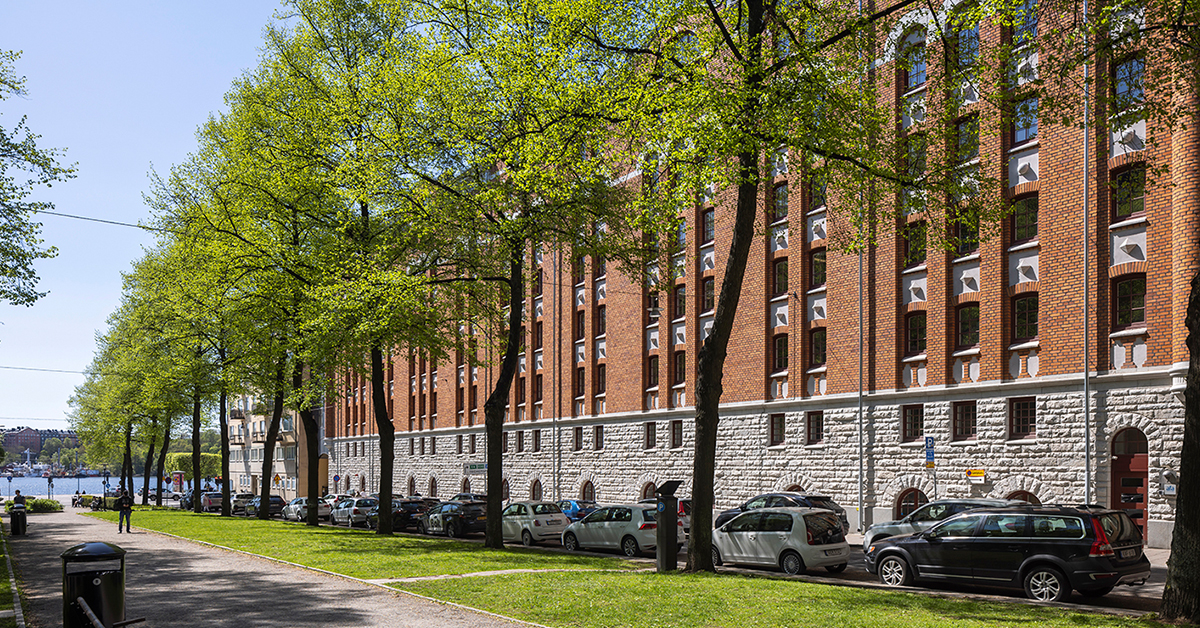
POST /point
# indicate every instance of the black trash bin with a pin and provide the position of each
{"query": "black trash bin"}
(17, 523)
(95, 572)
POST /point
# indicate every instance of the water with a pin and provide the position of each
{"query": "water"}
(64, 487)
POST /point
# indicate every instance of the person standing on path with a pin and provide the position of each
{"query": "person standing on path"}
(125, 506)
(18, 498)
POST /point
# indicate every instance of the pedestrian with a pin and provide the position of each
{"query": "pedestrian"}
(18, 498)
(125, 506)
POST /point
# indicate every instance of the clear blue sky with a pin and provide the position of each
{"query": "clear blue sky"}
(122, 86)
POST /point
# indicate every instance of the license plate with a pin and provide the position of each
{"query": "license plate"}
(553, 522)
(1129, 553)
(836, 552)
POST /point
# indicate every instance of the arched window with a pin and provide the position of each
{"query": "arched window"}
(1025, 496)
(794, 488)
(535, 490)
(648, 490)
(912, 61)
(1129, 441)
(588, 493)
(412, 485)
(433, 487)
(466, 485)
(909, 501)
(504, 491)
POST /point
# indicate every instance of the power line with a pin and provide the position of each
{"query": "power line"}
(107, 222)
(22, 419)
(30, 368)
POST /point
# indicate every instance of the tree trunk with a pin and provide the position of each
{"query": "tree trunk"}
(387, 441)
(223, 421)
(1181, 596)
(162, 454)
(264, 501)
(493, 408)
(312, 449)
(127, 461)
(146, 476)
(196, 508)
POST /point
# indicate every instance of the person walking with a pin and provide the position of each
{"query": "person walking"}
(125, 506)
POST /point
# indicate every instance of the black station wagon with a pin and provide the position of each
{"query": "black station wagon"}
(1047, 550)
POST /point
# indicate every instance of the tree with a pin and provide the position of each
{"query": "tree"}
(23, 168)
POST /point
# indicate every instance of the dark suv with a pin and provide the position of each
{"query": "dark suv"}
(785, 500)
(454, 519)
(1048, 550)
(405, 514)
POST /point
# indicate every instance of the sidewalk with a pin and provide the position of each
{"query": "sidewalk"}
(175, 583)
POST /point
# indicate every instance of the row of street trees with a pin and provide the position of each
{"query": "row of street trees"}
(382, 179)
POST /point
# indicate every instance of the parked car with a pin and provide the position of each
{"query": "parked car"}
(274, 508)
(469, 497)
(352, 511)
(185, 500)
(576, 509)
(210, 502)
(928, 516)
(532, 522)
(238, 501)
(785, 500)
(405, 514)
(1047, 550)
(333, 499)
(454, 519)
(630, 528)
(685, 512)
(792, 539)
(297, 509)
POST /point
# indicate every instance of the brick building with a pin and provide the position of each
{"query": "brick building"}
(982, 349)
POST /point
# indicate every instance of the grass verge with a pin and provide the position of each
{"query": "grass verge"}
(6, 589)
(355, 552)
(649, 600)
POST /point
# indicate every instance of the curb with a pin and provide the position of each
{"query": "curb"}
(17, 611)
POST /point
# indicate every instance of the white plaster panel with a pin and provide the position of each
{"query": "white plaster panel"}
(680, 265)
(462, 374)
(967, 93)
(706, 325)
(816, 307)
(601, 289)
(913, 111)
(779, 388)
(1129, 139)
(580, 353)
(966, 277)
(815, 228)
(537, 308)
(538, 361)
(1118, 353)
(1128, 245)
(521, 363)
(708, 258)
(601, 349)
(779, 238)
(1139, 351)
(652, 339)
(1032, 362)
(1014, 364)
(1024, 68)
(779, 314)
(580, 295)
(1023, 167)
(1023, 266)
(913, 287)
(678, 333)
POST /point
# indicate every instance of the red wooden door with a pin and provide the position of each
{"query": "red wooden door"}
(1130, 474)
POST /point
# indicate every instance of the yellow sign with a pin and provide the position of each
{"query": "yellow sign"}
(928, 464)
(277, 478)
(976, 473)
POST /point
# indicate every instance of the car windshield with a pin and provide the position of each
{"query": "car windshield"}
(546, 509)
(1119, 528)
(367, 503)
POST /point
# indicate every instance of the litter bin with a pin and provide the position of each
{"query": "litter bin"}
(16, 520)
(95, 572)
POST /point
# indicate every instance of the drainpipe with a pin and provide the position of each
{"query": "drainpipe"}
(1087, 281)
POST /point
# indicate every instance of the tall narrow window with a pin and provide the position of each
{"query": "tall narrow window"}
(1022, 417)
(775, 429)
(1025, 22)
(601, 320)
(1025, 121)
(816, 191)
(1025, 219)
(779, 351)
(913, 422)
(680, 367)
(815, 430)
(601, 267)
(652, 371)
(1129, 193)
(964, 420)
(914, 337)
(537, 440)
(580, 324)
(1127, 84)
(577, 439)
(779, 277)
(538, 329)
(649, 437)
(1025, 318)
(681, 234)
(537, 387)
(520, 390)
(598, 437)
(653, 311)
(817, 347)
(967, 326)
(1130, 302)
(680, 303)
(676, 434)
(577, 269)
(708, 289)
(779, 209)
(601, 379)
(966, 41)
(914, 65)
(914, 244)
(537, 282)
(817, 268)
(966, 236)
(521, 441)
(708, 223)
(966, 139)
(580, 382)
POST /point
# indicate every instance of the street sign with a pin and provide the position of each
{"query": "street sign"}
(336, 478)
(474, 468)
(928, 464)
(928, 442)
(928, 452)
(976, 476)
(277, 478)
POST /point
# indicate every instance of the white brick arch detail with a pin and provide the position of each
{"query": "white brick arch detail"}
(635, 491)
(1124, 420)
(902, 483)
(1013, 483)
(789, 479)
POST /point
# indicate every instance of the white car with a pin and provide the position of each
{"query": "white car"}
(238, 501)
(793, 539)
(297, 509)
(532, 522)
(352, 511)
(630, 528)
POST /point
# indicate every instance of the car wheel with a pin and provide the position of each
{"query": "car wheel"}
(421, 528)
(893, 572)
(526, 538)
(717, 562)
(792, 563)
(452, 529)
(629, 545)
(1046, 584)
(835, 568)
(570, 542)
(1096, 592)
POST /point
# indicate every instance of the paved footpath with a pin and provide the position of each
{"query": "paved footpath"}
(172, 582)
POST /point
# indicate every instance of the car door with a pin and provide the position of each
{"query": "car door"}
(999, 546)
(771, 539)
(944, 550)
(511, 521)
(619, 519)
(741, 533)
(590, 530)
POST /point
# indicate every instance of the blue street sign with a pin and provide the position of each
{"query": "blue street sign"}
(336, 478)
(929, 455)
(928, 442)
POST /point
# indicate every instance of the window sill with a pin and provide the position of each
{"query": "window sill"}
(920, 89)
(778, 374)
(1026, 146)
(962, 442)
(1032, 244)
(782, 222)
(818, 290)
(966, 258)
(652, 389)
(918, 443)
(679, 386)
(914, 269)
(965, 353)
(680, 319)
(816, 370)
(814, 212)
(1130, 222)
(1129, 333)
(915, 358)
(1018, 442)
(1022, 346)
(779, 298)
(779, 447)
(816, 445)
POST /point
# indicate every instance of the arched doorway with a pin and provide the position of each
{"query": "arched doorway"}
(1025, 496)
(909, 501)
(466, 485)
(588, 492)
(535, 490)
(412, 486)
(1130, 474)
(648, 490)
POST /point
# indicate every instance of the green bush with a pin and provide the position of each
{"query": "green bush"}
(38, 505)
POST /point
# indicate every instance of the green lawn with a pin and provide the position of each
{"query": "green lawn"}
(648, 600)
(357, 552)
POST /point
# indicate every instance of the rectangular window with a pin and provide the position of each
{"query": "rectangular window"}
(779, 209)
(1025, 22)
(458, 443)
(680, 303)
(779, 277)
(1129, 193)
(967, 326)
(521, 441)
(601, 379)
(1022, 418)
(1025, 219)
(580, 321)
(815, 428)
(709, 225)
(1025, 318)
(577, 269)
(598, 437)
(537, 282)
(652, 371)
(914, 244)
(708, 292)
(473, 443)
(779, 353)
(914, 66)
(966, 42)
(817, 347)
(537, 440)
(966, 235)
(1025, 121)
(422, 446)
(601, 267)
(412, 447)
(676, 434)
(538, 329)
(966, 135)
(1127, 84)
(649, 437)
(601, 320)
(914, 337)
(1130, 302)
(520, 390)
(577, 439)
(775, 429)
(816, 192)
(433, 445)
(680, 367)
(817, 268)
(580, 382)
(652, 307)
(681, 234)
(537, 387)
(964, 420)
(913, 422)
